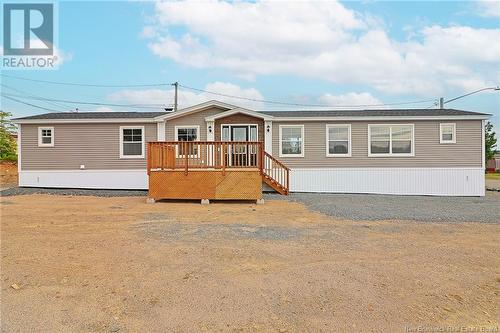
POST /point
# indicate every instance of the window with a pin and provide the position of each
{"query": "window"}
(447, 133)
(187, 133)
(45, 136)
(338, 140)
(291, 140)
(131, 141)
(390, 140)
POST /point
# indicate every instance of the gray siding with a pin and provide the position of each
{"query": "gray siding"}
(428, 151)
(97, 146)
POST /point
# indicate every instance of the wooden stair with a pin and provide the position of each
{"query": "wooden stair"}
(275, 174)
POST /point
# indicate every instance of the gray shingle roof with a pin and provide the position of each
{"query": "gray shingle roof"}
(95, 115)
(374, 113)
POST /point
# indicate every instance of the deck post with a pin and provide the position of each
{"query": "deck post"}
(186, 158)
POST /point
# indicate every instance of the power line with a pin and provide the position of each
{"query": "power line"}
(87, 84)
(139, 106)
(307, 105)
(59, 105)
(33, 105)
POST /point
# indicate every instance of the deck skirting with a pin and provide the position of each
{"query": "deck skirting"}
(206, 184)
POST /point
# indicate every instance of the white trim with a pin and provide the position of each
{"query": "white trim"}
(247, 125)
(303, 148)
(236, 111)
(143, 133)
(454, 133)
(52, 136)
(196, 108)
(210, 134)
(391, 154)
(160, 128)
(176, 135)
(19, 148)
(483, 143)
(93, 179)
(349, 152)
(396, 181)
(268, 136)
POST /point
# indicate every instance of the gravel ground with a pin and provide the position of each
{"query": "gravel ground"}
(349, 206)
(392, 207)
(61, 191)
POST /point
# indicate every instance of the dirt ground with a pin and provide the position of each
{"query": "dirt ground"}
(86, 264)
(8, 175)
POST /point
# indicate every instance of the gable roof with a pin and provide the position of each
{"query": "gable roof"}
(198, 108)
(239, 110)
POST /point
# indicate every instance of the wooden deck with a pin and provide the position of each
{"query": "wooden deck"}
(212, 170)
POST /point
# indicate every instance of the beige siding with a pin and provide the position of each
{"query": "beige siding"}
(97, 146)
(428, 151)
(193, 119)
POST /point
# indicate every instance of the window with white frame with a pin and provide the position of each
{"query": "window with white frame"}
(132, 141)
(447, 133)
(46, 136)
(291, 140)
(390, 140)
(187, 133)
(338, 140)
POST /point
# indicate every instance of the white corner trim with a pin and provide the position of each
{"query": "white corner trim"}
(412, 154)
(52, 136)
(142, 142)
(236, 111)
(349, 138)
(483, 143)
(160, 134)
(268, 136)
(281, 141)
(210, 131)
(19, 148)
(454, 133)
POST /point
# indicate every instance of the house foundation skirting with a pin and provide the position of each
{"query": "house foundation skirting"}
(94, 179)
(399, 181)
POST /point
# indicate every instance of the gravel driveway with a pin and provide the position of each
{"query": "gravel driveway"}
(392, 207)
(351, 206)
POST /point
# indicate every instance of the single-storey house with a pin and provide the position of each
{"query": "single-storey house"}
(398, 151)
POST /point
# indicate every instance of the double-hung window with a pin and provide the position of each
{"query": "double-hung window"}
(131, 141)
(291, 140)
(390, 140)
(45, 136)
(447, 133)
(338, 140)
(187, 133)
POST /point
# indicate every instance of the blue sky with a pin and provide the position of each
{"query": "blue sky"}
(346, 53)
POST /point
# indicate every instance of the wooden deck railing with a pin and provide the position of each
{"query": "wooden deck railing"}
(275, 173)
(188, 155)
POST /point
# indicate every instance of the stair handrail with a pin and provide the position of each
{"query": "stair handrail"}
(285, 182)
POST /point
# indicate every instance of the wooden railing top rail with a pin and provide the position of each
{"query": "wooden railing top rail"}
(276, 161)
(206, 142)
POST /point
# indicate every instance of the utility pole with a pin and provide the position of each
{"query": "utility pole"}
(441, 102)
(176, 87)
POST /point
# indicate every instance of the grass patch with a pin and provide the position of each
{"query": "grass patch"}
(493, 176)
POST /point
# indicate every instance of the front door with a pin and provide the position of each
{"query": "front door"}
(240, 154)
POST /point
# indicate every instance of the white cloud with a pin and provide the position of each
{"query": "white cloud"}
(187, 98)
(489, 8)
(324, 40)
(351, 98)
